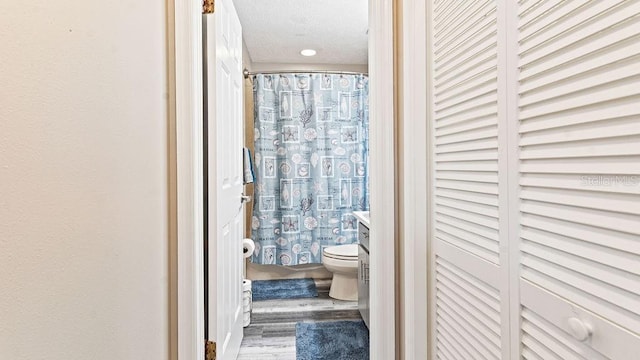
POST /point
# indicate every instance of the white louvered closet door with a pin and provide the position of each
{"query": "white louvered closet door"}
(470, 301)
(536, 191)
(579, 183)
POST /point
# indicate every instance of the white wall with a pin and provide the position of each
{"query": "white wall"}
(309, 67)
(246, 57)
(83, 180)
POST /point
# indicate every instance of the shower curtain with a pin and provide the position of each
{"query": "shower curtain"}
(311, 159)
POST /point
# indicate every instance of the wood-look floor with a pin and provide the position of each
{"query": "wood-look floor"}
(272, 332)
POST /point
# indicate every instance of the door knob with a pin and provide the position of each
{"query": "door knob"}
(245, 198)
(579, 329)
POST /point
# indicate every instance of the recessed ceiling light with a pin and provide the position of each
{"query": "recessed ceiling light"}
(308, 52)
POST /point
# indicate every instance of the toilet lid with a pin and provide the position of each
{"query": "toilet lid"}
(345, 252)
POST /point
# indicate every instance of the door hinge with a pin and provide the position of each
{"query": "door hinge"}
(210, 350)
(208, 6)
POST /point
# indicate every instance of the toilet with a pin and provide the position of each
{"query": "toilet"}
(342, 261)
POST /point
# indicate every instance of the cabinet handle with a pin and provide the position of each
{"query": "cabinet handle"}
(366, 274)
(579, 329)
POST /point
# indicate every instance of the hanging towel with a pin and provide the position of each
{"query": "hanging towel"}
(249, 175)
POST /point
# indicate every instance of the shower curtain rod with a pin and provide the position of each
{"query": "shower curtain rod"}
(248, 73)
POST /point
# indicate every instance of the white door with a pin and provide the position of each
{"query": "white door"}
(536, 133)
(579, 179)
(470, 307)
(223, 94)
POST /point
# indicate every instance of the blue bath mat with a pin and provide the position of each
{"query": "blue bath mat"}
(283, 289)
(332, 340)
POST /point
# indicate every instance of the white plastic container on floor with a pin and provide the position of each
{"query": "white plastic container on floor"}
(246, 301)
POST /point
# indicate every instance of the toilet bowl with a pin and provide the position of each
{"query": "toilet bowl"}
(342, 261)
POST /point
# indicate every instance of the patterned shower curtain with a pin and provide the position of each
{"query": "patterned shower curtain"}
(311, 159)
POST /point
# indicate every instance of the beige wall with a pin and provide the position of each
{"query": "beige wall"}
(401, 168)
(249, 143)
(248, 132)
(83, 180)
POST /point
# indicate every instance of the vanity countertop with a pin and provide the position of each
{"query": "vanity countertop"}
(363, 217)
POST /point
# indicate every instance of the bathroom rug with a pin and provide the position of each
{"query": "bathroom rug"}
(332, 340)
(283, 289)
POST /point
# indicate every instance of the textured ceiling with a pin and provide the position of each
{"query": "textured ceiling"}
(276, 30)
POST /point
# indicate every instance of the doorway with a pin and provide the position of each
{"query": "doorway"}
(189, 88)
(307, 128)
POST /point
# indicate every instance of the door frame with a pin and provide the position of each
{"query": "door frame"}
(184, 32)
(416, 178)
(382, 183)
(185, 158)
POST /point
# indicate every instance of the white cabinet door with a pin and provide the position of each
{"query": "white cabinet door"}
(470, 303)
(224, 85)
(579, 183)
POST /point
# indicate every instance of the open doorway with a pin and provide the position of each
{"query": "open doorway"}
(307, 130)
(312, 91)
(190, 308)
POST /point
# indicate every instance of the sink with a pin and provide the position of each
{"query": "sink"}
(363, 216)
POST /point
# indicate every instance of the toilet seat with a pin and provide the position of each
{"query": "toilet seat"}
(342, 252)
